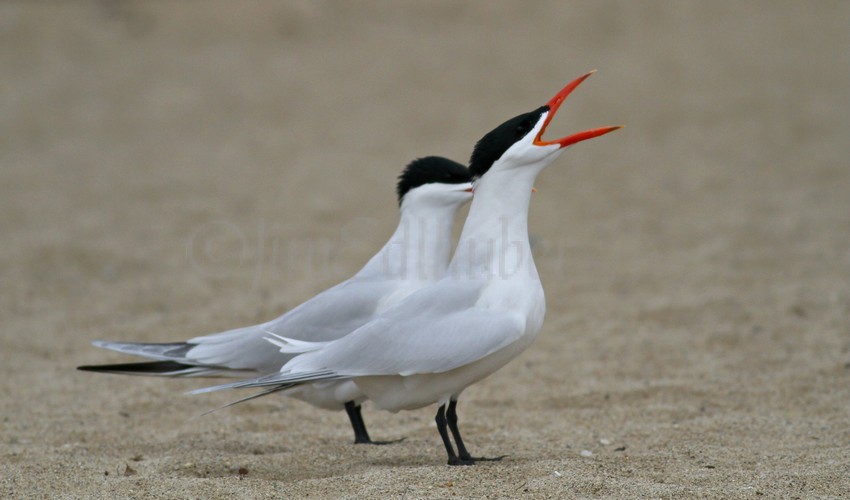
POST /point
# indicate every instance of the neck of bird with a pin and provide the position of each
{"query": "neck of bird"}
(418, 250)
(494, 243)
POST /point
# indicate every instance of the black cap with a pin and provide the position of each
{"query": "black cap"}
(428, 170)
(492, 146)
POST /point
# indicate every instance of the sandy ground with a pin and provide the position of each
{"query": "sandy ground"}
(170, 169)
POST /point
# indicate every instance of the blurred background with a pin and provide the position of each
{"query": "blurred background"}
(171, 169)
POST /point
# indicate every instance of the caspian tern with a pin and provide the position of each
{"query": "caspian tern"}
(430, 192)
(487, 310)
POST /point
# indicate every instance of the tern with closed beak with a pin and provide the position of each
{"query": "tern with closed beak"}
(430, 190)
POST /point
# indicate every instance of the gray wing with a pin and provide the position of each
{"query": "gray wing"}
(434, 330)
(243, 351)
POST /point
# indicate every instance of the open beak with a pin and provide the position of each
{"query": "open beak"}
(554, 104)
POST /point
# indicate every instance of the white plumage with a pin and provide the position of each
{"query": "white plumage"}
(486, 310)
(431, 191)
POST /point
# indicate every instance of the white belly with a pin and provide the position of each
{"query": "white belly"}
(330, 395)
(396, 392)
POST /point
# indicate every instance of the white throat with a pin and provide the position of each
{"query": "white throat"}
(494, 242)
(419, 249)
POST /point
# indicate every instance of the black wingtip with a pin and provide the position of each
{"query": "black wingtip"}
(144, 368)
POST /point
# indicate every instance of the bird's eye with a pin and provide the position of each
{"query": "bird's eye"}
(523, 128)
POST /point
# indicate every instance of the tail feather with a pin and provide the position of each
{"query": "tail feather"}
(276, 380)
(174, 351)
(249, 398)
(294, 346)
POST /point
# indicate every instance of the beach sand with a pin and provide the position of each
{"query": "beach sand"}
(172, 169)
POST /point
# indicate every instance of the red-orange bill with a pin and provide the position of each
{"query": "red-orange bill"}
(554, 104)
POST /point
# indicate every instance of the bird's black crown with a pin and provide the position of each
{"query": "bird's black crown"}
(492, 146)
(428, 170)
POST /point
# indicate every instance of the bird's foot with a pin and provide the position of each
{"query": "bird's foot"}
(469, 460)
(482, 459)
(378, 443)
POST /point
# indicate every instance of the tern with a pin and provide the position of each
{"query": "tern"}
(430, 190)
(486, 310)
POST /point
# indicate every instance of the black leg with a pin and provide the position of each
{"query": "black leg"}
(441, 427)
(463, 454)
(451, 417)
(361, 435)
